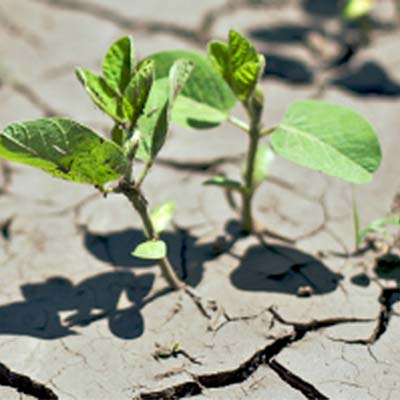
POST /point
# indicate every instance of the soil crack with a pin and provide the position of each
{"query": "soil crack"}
(387, 298)
(247, 368)
(25, 385)
(309, 391)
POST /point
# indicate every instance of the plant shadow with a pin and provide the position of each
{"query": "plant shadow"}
(289, 33)
(369, 79)
(93, 299)
(282, 269)
(323, 8)
(186, 254)
(288, 69)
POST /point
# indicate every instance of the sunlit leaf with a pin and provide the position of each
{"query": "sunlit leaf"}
(162, 215)
(241, 50)
(137, 92)
(206, 99)
(151, 250)
(154, 123)
(328, 138)
(238, 63)
(63, 148)
(218, 54)
(118, 64)
(102, 94)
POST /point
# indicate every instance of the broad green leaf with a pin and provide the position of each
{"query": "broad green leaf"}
(224, 183)
(151, 250)
(264, 158)
(118, 64)
(154, 123)
(162, 215)
(137, 92)
(358, 8)
(185, 106)
(63, 148)
(102, 94)
(206, 100)
(328, 138)
(377, 226)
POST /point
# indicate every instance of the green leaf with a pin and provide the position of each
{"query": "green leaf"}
(154, 119)
(241, 50)
(245, 79)
(178, 76)
(162, 215)
(328, 138)
(238, 63)
(63, 148)
(206, 100)
(102, 94)
(118, 64)
(151, 250)
(358, 8)
(264, 158)
(379, 225)
(224, 183)
(245, 64)
(218, 54)
(118, 135)
(137, 92)
(154, 123)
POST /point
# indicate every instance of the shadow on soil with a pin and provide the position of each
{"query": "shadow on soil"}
(282, 269)
(369, 79)
(41, 313)
(185, 252)
(276, 268)
(288, 69)
(323, 8)
(91, 300)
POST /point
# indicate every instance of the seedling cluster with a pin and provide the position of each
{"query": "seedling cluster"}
(195, 91)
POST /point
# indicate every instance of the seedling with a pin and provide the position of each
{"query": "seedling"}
(140, 107)
(380, 226)
(318, 135)
(199, 92)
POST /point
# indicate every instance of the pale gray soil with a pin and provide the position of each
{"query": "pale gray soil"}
(81, 319)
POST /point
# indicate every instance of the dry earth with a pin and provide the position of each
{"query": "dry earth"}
(81, 319)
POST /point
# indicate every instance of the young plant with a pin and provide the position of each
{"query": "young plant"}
(140, 107)
(325, 137)
(380, 225)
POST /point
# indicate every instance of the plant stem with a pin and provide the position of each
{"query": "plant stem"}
(144, 173)
(248, 192)
(239, 123)
(136, 198)
(269, 131)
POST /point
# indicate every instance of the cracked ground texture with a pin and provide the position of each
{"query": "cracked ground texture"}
(80, 319)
